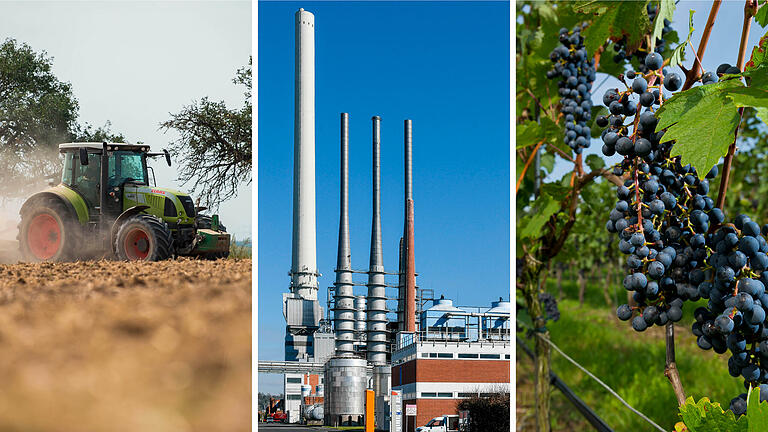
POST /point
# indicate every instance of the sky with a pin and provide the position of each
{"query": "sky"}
(723, 47)
(133, 63)
(444, 65)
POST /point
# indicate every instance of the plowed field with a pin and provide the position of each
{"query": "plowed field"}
(126, 346)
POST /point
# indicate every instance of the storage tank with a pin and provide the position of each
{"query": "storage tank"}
(320, 390)
(438, 325)
(496, 327)
(317, 412)
(306, 390)
(346, 379)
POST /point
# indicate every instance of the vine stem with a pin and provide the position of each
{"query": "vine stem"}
(528, 164)
(750, 8)
(670, 371)
(693, 73)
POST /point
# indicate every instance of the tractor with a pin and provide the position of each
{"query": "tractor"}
(105, 206)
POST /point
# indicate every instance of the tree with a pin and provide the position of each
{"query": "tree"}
(37, 112)
(214, 145)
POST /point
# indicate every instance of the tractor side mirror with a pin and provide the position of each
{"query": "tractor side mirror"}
(83, 156)
(167, 157)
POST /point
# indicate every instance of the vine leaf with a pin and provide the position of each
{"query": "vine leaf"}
(530, 133)
(666, 10)
(702, 120)
(757, 412)
(705, 416)
(614, 20)
(678, 55)
(543, 208)
(762, 14)
(760, 52)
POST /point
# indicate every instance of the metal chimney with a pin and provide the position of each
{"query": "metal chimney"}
(377, 299)
(401, 286)
(304, 260)
(409, 259)
(344, 311)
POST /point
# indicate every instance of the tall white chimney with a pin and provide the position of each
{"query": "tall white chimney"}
(304, 260)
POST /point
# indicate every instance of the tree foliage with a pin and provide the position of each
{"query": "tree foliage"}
(214, 145)
(37, 112)
(487, 413)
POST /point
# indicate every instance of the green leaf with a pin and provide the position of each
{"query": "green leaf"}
(756, 95)
(705, 416)
(595, 162)
(760, 52)
(762, 114)
(530, 133)
(757, 413)
(702, 120)
(762, 14)
(614, 20)
(543, 208)
(666, 10)
(678, 55)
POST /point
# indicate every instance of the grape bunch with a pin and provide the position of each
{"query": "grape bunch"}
(663, 212)
(620, 47)
(550, 306)
(734, 281)
(577, 73)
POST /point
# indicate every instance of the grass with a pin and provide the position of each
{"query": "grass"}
(240, 249)
(629, 362)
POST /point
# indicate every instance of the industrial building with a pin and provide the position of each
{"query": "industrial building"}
(373, 353)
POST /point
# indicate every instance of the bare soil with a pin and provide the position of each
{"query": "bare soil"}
(126, 346)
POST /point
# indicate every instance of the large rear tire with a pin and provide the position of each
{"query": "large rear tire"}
(143, 237)
(48, 231)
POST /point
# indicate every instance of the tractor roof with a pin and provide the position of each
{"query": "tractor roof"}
(99, 145)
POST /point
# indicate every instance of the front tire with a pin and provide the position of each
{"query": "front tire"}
(47, 232)
(143, 237)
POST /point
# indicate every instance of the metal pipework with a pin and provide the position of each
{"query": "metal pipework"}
(377, 298)
(410, 260)
(304, 258)
(344, 311)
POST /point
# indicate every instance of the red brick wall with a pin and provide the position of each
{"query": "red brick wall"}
(427, 409)
(469, 371)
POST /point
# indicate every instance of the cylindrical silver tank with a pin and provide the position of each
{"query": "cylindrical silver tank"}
(345, 379)
(382, 380)
(306, 390)
(320, 390)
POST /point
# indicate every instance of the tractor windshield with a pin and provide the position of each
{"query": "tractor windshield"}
(127, 166)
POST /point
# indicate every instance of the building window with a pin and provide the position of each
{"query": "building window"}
(433, 354)
(490, 356)
(486, 395)
(293, 380)
(465, 355)
(506, 356)
(294, 397)
(425, 355)
(466, 395)
(425, 395)
(445, 355)
(445, 395)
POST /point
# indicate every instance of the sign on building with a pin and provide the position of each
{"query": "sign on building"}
(410, 410)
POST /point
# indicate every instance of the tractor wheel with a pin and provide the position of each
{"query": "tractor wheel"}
(143, 237)
(48, 232)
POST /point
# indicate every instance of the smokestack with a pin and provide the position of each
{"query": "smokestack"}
(304, 260)
(344, 312)
(401, 286)
(409, 259)
(377, 299)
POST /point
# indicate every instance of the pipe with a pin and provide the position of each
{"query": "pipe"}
(344, 310)
(401, 286)
(377, 299)
(410, 261)
(304, 257)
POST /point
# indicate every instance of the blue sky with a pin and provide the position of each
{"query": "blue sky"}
(445, 65)
(723, 47)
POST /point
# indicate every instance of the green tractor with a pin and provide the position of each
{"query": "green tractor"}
(105, 206)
